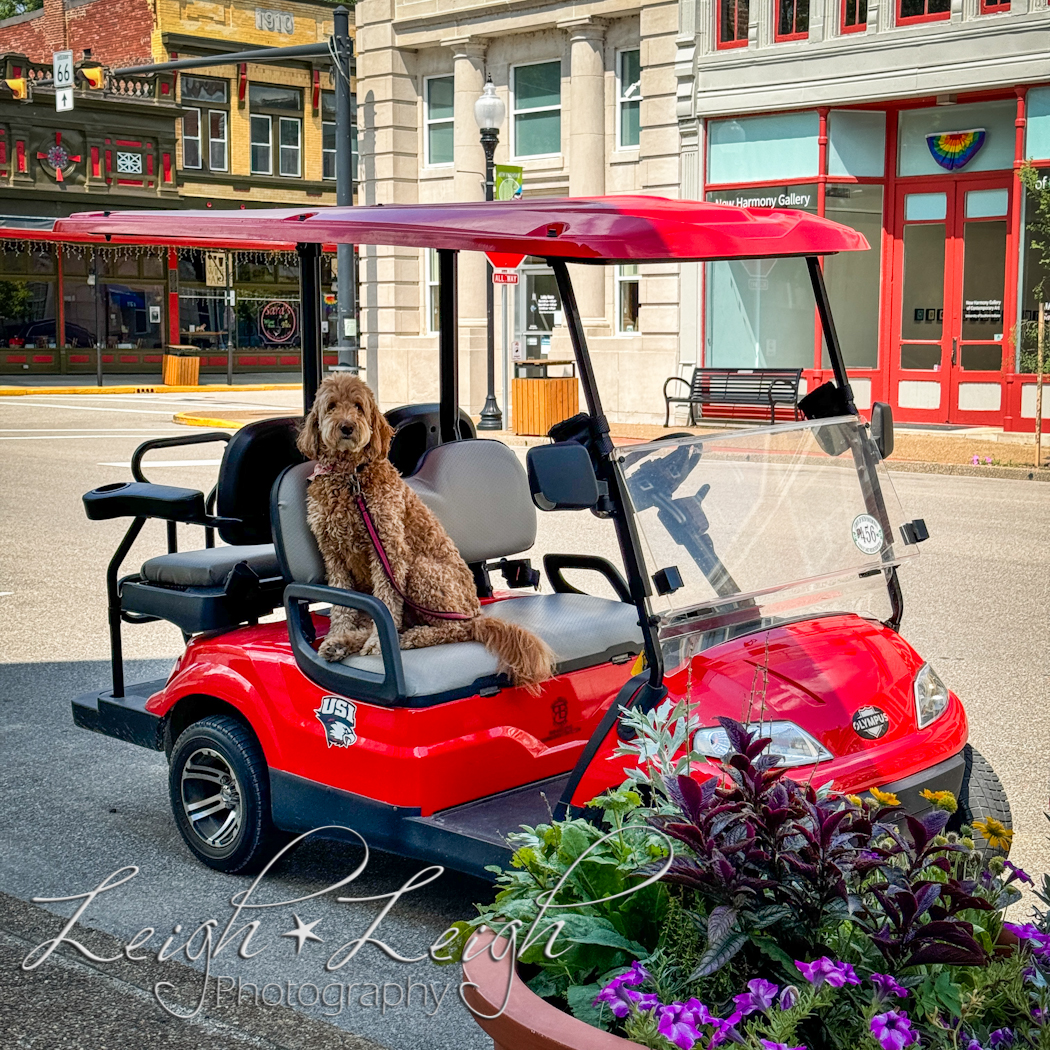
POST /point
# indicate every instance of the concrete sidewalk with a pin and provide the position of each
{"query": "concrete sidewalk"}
(73, 1003)
(16, 385)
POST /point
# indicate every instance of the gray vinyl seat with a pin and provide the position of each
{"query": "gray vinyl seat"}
(454, 481)
(211, 566)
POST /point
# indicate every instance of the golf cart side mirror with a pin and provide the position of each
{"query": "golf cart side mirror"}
(561, 477)
(882, 428)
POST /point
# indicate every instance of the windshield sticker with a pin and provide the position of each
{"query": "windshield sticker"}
(867, 534)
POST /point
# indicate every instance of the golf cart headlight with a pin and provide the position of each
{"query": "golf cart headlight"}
(792, 744)
(931, 696)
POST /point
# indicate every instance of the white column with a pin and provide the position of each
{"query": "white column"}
(586, 160)
(469, 68)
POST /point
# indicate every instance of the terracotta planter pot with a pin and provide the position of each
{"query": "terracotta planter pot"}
(527, 1022)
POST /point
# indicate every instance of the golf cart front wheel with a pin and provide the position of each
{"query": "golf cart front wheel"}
(982, 797)
(220, 795)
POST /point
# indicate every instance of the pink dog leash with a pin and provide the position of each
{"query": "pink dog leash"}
(377, 544)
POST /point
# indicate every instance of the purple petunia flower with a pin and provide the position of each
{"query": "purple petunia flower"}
(824, 971)
(1039, 943)
(1001, 1037)
(892, 1030)
(758, 998)
(767, 1045)
(676, 1030)
(621, 996)
(1018, 873)
(973, 1045)
(885, 986)
(788, 997)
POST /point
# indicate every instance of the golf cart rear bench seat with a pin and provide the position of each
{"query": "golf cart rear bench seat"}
(210, 567)
(214, 588)
(454, 480)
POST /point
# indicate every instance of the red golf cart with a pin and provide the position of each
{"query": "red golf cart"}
(758, 577)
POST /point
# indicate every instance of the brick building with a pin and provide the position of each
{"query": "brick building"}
(243, 135)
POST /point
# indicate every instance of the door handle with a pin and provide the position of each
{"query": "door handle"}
(955, 348)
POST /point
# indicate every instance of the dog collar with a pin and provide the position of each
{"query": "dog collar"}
(318, 470)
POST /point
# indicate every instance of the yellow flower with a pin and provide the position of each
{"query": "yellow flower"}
(886, 798)
(855, 799)
(995, 832)
(941, 800)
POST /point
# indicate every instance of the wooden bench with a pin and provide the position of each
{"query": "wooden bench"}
(752, 387)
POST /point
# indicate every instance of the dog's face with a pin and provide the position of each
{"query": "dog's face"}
(345, 423)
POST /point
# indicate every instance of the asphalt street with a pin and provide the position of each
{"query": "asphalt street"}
(76, 807)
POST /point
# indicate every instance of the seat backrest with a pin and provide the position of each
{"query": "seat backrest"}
(477, 489)
(480, 492)
(416, 431)
(255, 455)
(297, 551)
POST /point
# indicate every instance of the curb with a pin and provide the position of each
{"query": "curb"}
(159, 388)
(189, 419)
(906, 466)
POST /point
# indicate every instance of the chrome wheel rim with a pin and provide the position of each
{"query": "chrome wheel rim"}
(212, 798)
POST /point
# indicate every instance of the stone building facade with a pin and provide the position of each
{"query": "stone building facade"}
(909, 120)
(590, 95)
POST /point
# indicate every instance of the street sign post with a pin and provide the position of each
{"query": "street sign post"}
(62, 71)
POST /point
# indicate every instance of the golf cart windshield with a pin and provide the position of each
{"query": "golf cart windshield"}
(744, 529)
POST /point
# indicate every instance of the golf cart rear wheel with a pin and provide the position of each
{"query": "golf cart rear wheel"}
(220, 795)
(980, 797)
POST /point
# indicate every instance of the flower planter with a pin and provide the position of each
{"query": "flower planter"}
(527, 1022)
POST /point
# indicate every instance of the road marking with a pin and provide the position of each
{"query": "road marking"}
(25, 402)
(72, 437)
(170, 463)
(82, 430)
(5, 594)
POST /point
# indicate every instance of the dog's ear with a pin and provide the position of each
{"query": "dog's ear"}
(309, 439)
(382, 431)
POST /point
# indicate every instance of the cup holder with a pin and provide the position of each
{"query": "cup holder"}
(116, 486)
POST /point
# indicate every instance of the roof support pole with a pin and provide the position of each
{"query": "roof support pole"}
(310, 313)
(448, 343)
(827, 323)
(346, 298)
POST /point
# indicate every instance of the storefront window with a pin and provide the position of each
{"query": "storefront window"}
(27, 297)
(539, 308)
(852, 278)
(988, 136)
(627, 299)
(761, 149)
(1035, 283)
(857, 143)
(537, 109)
(1037, 123)
(760, 312)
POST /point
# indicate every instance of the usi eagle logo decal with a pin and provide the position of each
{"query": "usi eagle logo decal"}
(338, 716)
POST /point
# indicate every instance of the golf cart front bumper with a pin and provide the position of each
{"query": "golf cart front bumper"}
(945, 776)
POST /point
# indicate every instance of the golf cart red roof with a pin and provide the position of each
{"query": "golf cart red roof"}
(579, 228)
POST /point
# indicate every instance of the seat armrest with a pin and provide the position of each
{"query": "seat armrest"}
(352, 682)
(553, 564)
(677, 379)
(139, 499)
(172, 442)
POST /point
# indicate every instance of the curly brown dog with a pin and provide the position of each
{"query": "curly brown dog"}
(349, 438)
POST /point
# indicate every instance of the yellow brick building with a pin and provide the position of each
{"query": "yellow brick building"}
(254, 134)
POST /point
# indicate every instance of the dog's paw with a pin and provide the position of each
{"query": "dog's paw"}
(339, 647)
(372, 646)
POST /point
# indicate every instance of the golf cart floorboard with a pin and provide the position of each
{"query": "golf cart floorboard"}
(492, 819)
(125, 717)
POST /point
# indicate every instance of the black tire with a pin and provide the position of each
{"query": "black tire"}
(981, 796)
(220, 795)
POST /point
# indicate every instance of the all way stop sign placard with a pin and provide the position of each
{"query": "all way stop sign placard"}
(504, 276)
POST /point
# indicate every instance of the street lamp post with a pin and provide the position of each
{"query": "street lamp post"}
(489, 112)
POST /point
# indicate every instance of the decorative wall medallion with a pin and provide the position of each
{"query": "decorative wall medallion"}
(58, 159)
(955, 149)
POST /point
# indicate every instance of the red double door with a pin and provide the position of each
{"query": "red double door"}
(950, 324)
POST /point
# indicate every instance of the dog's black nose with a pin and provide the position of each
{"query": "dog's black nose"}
(346, 430)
